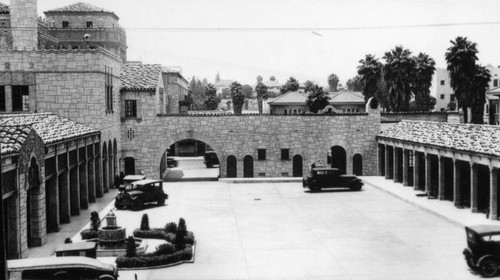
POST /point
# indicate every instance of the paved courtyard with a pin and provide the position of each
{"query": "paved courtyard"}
(281, 231)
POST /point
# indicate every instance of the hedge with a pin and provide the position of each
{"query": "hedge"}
(161, 233)
(88, 234)
(148, 260)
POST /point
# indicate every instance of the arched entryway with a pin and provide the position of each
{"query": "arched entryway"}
(297, 166)
(129, 165)
(339, 158)
(248, 166)
(357, 165)
(231, 167)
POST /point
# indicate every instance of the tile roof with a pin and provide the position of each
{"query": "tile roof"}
(81, 7)
(12, 137)
(136, 76)
(291, 97)
(346, 97)
(4, 9)
(495, 91)
(51, 128)
(473, 138)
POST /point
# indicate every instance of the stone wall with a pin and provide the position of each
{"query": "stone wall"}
(417, 116)
(309, 136)
(79, 20)
(24, 23)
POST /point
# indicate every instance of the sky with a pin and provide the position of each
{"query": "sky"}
(306, 39)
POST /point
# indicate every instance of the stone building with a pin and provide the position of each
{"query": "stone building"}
(453, 162)
(50, 170)
(100, 27)
(176, 91)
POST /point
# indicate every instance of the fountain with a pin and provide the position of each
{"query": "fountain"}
(111, 239)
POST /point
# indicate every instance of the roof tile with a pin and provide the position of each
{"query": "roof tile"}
(81, 7)
(4, 9)
(140, 76)
(12, 137)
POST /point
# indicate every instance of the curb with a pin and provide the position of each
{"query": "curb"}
(437, 214)
(261, 180)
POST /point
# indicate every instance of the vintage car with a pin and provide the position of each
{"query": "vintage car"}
(172, 162)
(211, 159)
(61, 268)
(483, 249)
(325, 177)
(129, 179)
(140, 192)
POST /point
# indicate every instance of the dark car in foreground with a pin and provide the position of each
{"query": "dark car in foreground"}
(140, 192)
(61, 268)
(325, 177)
(211, 159)
(483, 249)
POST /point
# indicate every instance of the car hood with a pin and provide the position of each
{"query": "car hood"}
(135, 192)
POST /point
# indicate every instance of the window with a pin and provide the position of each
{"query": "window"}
(452, 98)
(261, 154)
(65, 24)
(130, 108)
(89, 24)
(495, 82)
(285, 111)
(2, 98)
(285, 154)
(442, 96)
(442, 82)
(20, 98)
(410, 158)
(108, 83)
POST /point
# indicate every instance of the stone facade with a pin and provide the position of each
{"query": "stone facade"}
(309, 136)
(24, 24)
(176, 89)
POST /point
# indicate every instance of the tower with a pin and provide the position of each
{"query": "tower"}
(24, 24)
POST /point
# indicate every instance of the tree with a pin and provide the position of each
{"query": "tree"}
(478, 93)
(261, 90)
(212, 100)
(333, 81)
(308, 86)
(197, 89)
(355, 84)
(217, 77)
(247, 91)
(180, 234)
(291, 85)
(145, 222)
(370, 71)
(259, 79)
(272, 78)
(461, 65)
(424, 71)
(399, 76)
(317, 100)
(131, 249)
(237, 97)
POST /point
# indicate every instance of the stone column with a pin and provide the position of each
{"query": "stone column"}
(416, 168)
(388, 171)
(64, 197)
(473, 188)
(457, 197)
(405, 166)
(84, 187)
(52, 214)
(428, 171)
(74, 183)
(395, 165)
(91, 180)
(98, 178)
(441, 176)
(493, 193)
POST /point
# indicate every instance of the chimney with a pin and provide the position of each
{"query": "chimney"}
(24, 24)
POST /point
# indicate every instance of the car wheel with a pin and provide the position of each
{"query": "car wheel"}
(161, 200)
(356, 187)
(106, 277)
(137, 205)
(119, 206)
(488, 267)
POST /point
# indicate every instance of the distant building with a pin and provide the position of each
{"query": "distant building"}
(176, 91)
(222, 84)
(294, 102)
(273, 86)
(492, 107)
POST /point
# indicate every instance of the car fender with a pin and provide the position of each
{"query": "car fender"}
(356, 180)
(485, 257)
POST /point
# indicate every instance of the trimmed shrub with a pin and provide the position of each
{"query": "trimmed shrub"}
(145, 222)
(155, 260)
(182, 224)
(154, 233)
(189, 238)
(164, 249)
(179, 242)
(88, 234)
(95, 222)
(68, 240)
(170, 237)
(171, 227)
(131, 249)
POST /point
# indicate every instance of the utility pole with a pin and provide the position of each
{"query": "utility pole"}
(3, 257)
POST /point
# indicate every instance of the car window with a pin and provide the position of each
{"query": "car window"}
(493, 237)
(321, 172)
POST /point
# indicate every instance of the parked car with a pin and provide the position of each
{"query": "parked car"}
(129, 179)
(483, 249)
(211, 159)
(172, 162)
(140, 192)
(61, 268)
(325, 177)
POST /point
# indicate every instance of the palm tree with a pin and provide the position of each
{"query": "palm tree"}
(399, 76)
(461, 59)
(261, 90)
(370, 71)
(317, 100)
(478, 93)
(237, 97)
(424, 70)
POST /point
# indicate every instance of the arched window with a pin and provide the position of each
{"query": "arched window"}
(339, 158)
(357, 165)
(248, 166)
(231, 167)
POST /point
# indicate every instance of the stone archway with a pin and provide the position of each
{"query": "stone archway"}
(297, 166)
(339, 158)
(231, 167)
(248, 166)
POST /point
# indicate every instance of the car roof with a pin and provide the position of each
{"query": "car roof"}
(56, 262)
(146, 181)
(485, 229)
(325, 169)
(76, 246)
(134, 177)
